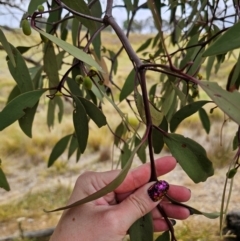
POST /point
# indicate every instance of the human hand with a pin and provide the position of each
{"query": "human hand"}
(109, 217)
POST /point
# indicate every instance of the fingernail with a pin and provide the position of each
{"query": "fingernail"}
(173, 221)
(157, 191)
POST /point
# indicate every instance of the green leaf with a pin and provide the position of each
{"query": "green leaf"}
(119, 132)
(52, 104)
(144, 45)
(235, 143)
(157, 136)
(7, 48)
(80, 121)
(142, 150)
(125, 154)
(191, 156)
(3, 180)
(73, 146)
(185, 112)
(209, 66)
(26, 121)
(204, 119)
(15, 109)
(228, 102)
(32, 7)
(75, 26)
(20, 73)
(73, 87)
(74, 51)
(51, 65)
(164, 237)
(128, 86)
(13, 94)
(94, 112)
(156, 115)
(108, 188)
(142, 229)
(58, 149)
(228, 41)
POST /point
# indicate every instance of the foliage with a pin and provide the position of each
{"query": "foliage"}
(202, 32)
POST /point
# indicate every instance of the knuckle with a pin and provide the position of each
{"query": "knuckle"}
(139, 204)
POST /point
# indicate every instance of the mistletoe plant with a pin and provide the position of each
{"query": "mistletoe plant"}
(201, 31)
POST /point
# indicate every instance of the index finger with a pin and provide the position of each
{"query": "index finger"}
(141, 175)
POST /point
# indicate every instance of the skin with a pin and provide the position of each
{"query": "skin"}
(109, 217)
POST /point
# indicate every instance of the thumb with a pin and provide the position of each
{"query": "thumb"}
(141, 202)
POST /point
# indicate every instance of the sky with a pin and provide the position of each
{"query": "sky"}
(13, 18)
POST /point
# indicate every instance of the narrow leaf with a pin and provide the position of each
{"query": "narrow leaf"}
(7, 48)
(13, 94)
(185, 112)
(51, 65)
(204, 119)
(20, 73)
(128, 86)
(228, 102)
(125, 154)
(74, 51)
(156, 115)
(228, 41)
(191, 156)
(3, 180)
(15, 109)
(108, 188)
(32, 7)
(144, 45)
(80, 121)
(164, 237)
(73, 146)
(142, 229)
(26, 121)
(94, 112)
(58, 149)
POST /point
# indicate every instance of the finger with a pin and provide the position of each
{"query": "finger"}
(139, 176)
(135, 206)
(172, 211)
(160, 225)
(91, 182)
(178, 193)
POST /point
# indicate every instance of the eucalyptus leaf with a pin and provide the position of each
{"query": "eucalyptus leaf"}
(94, 112)
(108, 188)
(20, 73)
(125, 154)
(7, 48)
(156, 115)
(51, 66)
(80, 121)
(3, 180)
(58, 149)
(73, 146)
(128, 86)
(142, 229)
(15, 109)
(185, 112)
(164, 236)
(26, 121)
(191, 156)
(227, 101)
(74, 51)
(228, 41)
(204, 119)
(32, 7)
